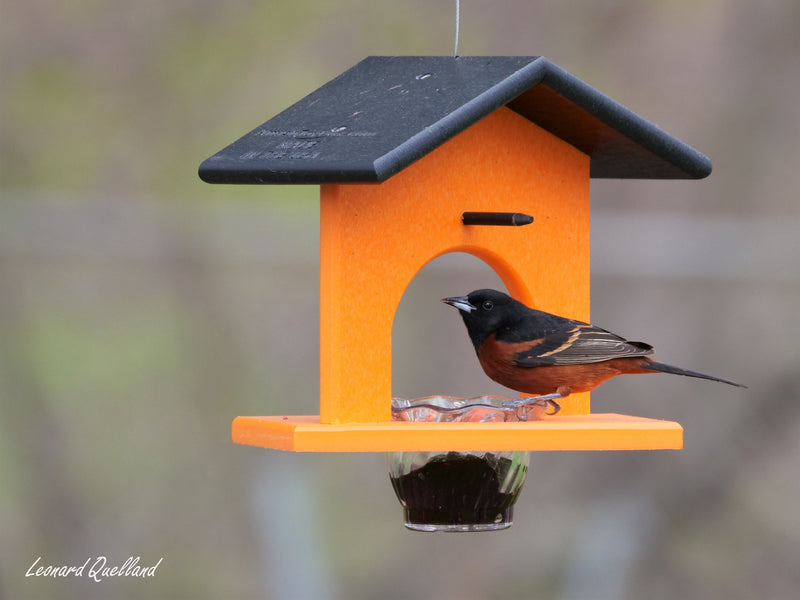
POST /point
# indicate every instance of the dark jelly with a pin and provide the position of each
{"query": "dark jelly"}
(456, 489)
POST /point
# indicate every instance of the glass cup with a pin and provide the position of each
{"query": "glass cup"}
(465, 490)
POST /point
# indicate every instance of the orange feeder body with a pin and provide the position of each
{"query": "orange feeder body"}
(401, 147)
(375, 238)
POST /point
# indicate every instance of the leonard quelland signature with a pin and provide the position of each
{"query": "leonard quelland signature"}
(96, 568)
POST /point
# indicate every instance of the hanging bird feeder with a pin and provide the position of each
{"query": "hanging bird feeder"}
(417, 157)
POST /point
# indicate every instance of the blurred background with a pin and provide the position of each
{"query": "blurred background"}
(142, 310)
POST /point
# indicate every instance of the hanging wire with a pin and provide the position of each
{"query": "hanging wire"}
(458, 16)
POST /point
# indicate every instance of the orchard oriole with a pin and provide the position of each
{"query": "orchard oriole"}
(539, 353)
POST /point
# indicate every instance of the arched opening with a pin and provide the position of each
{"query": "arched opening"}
(431, 352)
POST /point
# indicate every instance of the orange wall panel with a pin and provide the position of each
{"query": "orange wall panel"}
(375, 238)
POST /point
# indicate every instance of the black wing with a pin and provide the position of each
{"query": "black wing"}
(580, 344)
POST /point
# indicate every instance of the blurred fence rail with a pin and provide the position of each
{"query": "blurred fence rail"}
(648, 244)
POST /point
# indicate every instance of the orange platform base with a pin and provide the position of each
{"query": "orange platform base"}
(569, 432)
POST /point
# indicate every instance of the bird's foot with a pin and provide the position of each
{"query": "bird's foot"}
(549, 400)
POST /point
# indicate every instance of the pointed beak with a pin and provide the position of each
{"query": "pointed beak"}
(461, 303)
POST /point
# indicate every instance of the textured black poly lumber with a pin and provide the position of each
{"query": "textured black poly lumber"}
(384, 113)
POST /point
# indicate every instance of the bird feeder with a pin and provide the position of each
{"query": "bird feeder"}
(417, 157)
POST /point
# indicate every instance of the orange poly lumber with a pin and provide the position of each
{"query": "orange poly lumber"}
(374, 238)
(571, 432)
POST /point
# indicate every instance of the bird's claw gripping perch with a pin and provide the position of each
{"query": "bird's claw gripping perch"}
(548, 399)
(554, 406)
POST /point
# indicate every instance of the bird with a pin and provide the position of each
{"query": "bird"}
(543, 354)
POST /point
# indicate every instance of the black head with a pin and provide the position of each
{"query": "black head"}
(486, 312)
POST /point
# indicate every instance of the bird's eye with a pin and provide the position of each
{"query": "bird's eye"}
(487, 305)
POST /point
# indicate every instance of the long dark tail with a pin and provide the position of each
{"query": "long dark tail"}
(663, 368)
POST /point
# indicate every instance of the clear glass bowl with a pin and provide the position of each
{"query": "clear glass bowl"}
(461, 491)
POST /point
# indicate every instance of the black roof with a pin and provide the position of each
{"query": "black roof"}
(384, 113)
